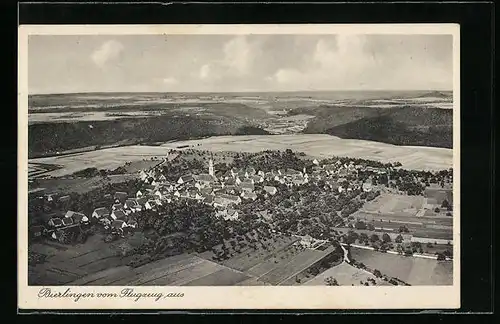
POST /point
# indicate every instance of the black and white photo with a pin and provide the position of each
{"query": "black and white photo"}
(242, 159)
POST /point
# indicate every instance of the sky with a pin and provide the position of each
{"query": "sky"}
(226, 63)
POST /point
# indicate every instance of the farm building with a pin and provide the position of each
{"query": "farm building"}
(100, 212)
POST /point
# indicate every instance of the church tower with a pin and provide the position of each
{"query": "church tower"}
(211, 170)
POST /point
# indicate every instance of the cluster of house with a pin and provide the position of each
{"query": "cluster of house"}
(223, 191)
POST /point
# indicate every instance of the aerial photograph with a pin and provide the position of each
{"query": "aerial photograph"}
(240, 160)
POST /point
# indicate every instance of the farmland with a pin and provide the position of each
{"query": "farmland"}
(388, 212)
(322, 146)
(103, 265)
(415, 271)
(99, 263)
(346, 275)
(104, 159)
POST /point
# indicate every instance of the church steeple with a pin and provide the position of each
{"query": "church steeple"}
(211, 170)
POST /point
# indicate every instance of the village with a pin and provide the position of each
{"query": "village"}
(321, 203)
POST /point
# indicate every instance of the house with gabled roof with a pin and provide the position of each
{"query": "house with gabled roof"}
(367, 186)
(120, 196)
(230, 189)
(116, 206)
(222, 200)
(257, 178)
(118, 214)
(67, 221)
(150, 204)
(158, 194)
(78, 218)
(208, 199)
(139, 194)
(248, 195)
(100, 212)
(55, 222)
(292, 172)
(250, 171)
(231, 214)
(270, 190)
(246, 186)
(205, 179)
(64, 199)
(188, 178)
(131, 204)
(132, 223)
(118, 226)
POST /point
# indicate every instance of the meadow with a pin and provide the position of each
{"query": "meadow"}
(415, 271)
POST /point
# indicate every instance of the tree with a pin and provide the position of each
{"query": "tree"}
(330, 281)
(441, 257)
(377, 273)
(403, 229)
(445, 204)
(374, 238)
(360, 225)
(437, 210)
(386, 238)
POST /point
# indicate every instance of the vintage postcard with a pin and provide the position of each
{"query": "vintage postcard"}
(239, 167)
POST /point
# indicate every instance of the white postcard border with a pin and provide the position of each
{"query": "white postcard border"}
(275, 297)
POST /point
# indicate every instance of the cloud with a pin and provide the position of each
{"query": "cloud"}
(204, 72)
(170, 81)
(238, 54)
(107, 51)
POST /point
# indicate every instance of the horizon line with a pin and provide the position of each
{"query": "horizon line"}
(241, 91)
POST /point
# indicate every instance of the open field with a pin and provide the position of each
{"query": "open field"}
(415, 271)
(79, 185)
(97, 263)
(346, 275)
(315, 145)
(391, 204)
(322, 146)
(223, 277)
(296, 265)
(103, 159)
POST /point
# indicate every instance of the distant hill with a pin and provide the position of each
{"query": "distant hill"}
(49, 138)
(400, 126)
(251, 130)
(437, 94)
